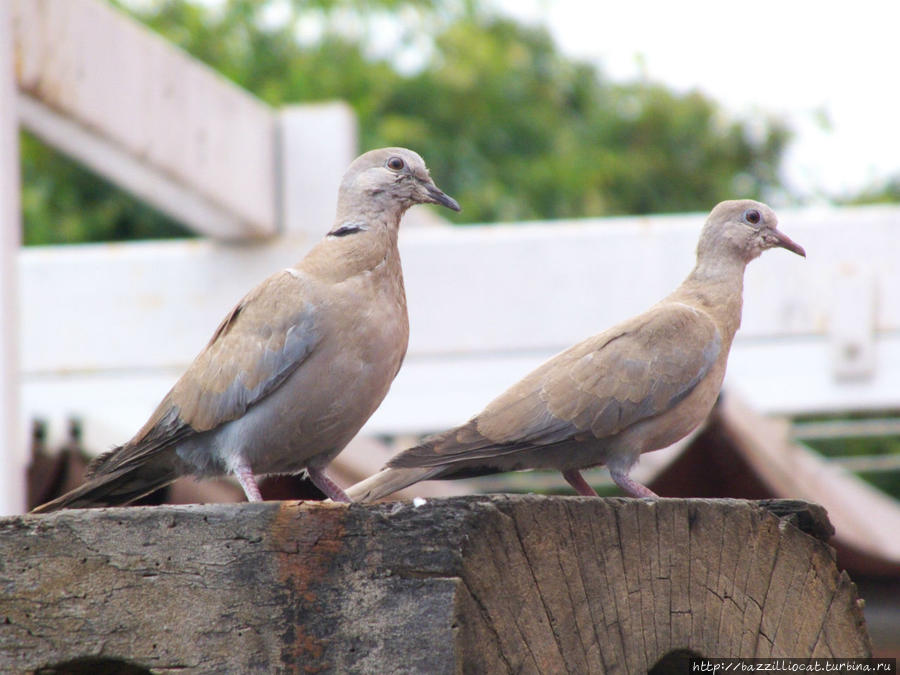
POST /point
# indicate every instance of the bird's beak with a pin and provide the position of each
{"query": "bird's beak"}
(784, 241)
(437, 197)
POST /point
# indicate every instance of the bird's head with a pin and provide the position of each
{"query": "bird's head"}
(743, 228)
(392, 180)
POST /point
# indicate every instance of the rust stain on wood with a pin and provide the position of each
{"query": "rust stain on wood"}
(308, 540)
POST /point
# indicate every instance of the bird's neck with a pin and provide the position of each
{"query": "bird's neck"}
(377, 206)
(716, 287)
(356, 247)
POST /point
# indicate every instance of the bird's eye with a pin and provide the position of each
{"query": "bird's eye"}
(752, 216)
(395, 164)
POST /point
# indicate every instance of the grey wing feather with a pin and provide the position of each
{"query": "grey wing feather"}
(598, 388)
(251, 353)
(242, 366)
(641, 373)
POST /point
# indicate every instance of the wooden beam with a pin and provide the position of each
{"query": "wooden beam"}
(12, 451)
(514, 290)
(158, 118)
(846, 428)
(465, 585)
(130, 172)
(316, 142)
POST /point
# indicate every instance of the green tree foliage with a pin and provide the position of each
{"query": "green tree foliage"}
(887, 192)
(64, 203)
(517, 131)
(514, 129)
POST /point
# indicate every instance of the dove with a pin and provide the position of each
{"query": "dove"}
(636, 387)
(297, 367)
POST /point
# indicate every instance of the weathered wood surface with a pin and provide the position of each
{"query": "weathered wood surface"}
(475, 584)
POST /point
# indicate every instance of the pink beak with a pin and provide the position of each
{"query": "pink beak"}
(785, 241)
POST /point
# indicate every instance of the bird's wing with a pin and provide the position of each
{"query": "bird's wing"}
(639, 373)
(261, 341)
(596, 389)
(267, 335)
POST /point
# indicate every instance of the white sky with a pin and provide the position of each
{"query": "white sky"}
(793, 58)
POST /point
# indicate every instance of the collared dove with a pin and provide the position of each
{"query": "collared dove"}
(298, 366)
(636, 387)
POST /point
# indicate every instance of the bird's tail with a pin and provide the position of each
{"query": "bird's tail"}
(116, 488)
(389, 480)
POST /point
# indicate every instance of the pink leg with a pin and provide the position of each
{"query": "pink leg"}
(331, 489)
(631, 486)
(245, 477)
(577, 481)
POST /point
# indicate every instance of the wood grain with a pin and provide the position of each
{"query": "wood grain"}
(519, 584)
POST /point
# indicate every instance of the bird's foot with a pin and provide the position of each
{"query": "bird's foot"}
(245, 477)
(331, 489)
(631, 486)
(577, 481)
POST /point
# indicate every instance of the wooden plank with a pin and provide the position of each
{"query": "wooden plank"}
(505, 584)
(12, 460)
(435, 393)
(472, 290)
(845, 428)
(162, 299)
(130, 172)
(543, 286)
(852, 319)
(317, 144)
(133, 91)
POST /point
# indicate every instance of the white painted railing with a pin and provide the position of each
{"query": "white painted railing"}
(107, 329)
(117, 97)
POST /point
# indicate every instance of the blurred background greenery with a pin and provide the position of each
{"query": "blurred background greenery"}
(514, 129)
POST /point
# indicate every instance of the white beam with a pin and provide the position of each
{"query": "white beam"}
(131, 173)
(317, 142)
(160, 117)
(12, 450)
(140, 306)
(486, 305)
(474, 290)
(852, 323)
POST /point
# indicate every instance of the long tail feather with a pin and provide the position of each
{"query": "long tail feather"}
(112, 489)
(387, 481)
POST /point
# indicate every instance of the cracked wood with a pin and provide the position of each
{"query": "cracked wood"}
(498, 584)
